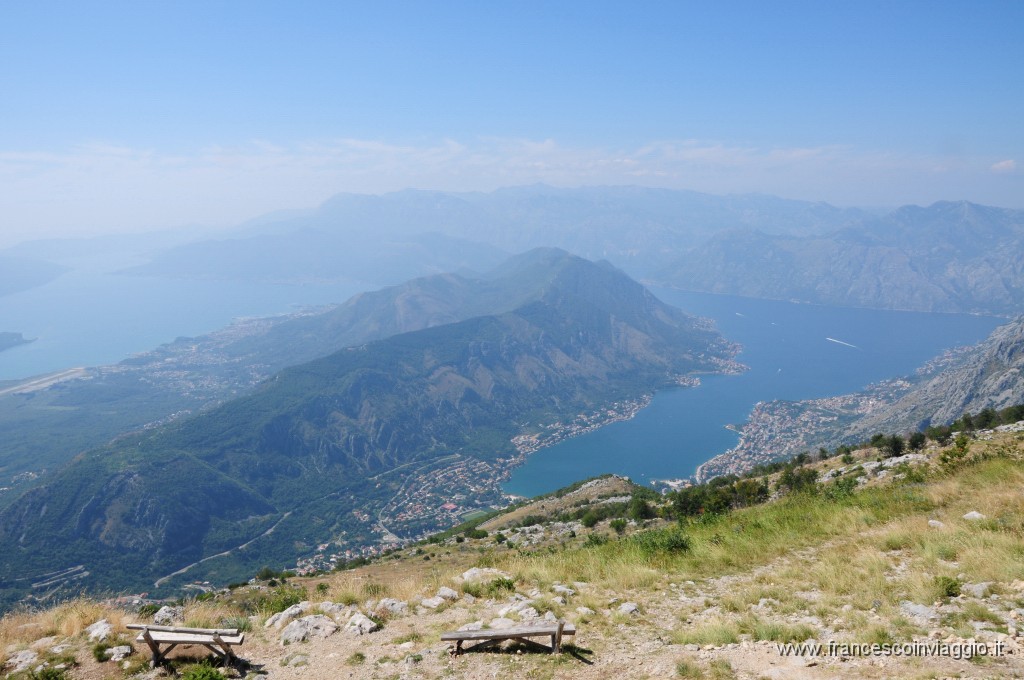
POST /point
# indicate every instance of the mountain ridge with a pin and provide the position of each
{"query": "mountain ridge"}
(589, 337)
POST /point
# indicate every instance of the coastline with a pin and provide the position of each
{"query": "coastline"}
(780, 429)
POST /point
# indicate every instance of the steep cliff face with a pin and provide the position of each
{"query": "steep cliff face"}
(991, 376)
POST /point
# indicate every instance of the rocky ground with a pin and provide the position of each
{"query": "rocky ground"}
(943, 569)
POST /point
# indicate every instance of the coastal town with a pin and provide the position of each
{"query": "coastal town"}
(779, 429)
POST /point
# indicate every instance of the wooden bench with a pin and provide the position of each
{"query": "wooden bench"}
(217, 640)
(555, 631)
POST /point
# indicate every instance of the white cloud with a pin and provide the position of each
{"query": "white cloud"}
(102, 187)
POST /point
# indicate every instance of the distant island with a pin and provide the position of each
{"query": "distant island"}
(9, 340)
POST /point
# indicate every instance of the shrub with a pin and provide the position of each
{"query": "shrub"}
(619, 525)
(490, 589)
(668, 541)
(947, 586)
(841, 488)
(49, 674)
(357, 659)
(200, 671)
(99, 651)
(148, 609)
(374, 590)
(242, 623)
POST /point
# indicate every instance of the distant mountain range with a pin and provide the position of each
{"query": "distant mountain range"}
(320, 443)
(950, 257)
(23, 273)
(384, 239)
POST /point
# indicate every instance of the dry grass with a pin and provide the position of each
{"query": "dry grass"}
(68, 619)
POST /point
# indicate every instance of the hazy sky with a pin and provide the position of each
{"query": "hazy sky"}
(136, 115)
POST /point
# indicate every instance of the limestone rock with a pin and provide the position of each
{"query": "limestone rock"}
(585, 611)
(295, 660)
(335, 609)
(42, 643)
(446, 593)
(978, 590)
(629, 608)
(281, 618)
(476, 625)
(974, 516)
(99, 631)
(308, 627)
(361, 624)
(168, 616)
(935, 524)
(563, 590)
(119, 653)
(501, 622)
(918, 611)
(432, 602)
(485, 574)
(22, 660)
(392, 606)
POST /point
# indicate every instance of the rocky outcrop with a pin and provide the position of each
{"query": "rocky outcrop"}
(990, 376)
(307, 628)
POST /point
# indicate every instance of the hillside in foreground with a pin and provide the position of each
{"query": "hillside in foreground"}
(710, 582)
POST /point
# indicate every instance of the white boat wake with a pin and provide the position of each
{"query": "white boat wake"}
(840, 342)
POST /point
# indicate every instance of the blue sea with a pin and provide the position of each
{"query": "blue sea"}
(93, 316)
(794, 351)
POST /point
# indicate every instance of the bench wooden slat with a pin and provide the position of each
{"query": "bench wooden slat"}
(508, 633)
(192, 638)
(179, 629)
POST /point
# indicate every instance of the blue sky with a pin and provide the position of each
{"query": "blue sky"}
(123, 116)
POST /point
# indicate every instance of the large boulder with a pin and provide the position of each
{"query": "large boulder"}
(99, 631)
(281, 618)
(446, 593)
(21, 661)
(361, 624)
(168, 616)
(308, 628)
(392, 607)
(485, 574)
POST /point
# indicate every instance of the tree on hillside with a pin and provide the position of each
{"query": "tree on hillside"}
(916, 441)
(799, 479)
(893, 446)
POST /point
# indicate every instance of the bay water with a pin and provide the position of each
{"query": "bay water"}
(793, 351)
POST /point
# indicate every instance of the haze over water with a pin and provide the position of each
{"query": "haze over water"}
(794, 352)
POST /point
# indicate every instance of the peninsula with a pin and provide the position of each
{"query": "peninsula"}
(9, 340)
